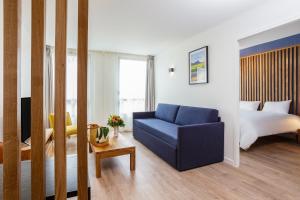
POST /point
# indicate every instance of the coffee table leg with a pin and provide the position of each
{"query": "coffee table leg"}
(132, 160)
(98, 166)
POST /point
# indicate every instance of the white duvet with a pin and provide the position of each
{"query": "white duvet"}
(254, 124)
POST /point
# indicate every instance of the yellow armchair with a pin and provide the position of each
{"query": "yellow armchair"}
(70, 128)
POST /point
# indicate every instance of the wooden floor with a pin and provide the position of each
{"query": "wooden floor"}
(269, 170)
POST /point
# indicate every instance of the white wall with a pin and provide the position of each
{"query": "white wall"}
(222, 91)
(283, 31)
(25, 49)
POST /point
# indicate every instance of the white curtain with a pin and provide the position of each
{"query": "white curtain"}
(150, 85)
(91, 89)
(71, 85)
(49, 84)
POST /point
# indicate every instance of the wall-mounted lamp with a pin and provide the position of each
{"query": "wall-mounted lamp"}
(171, 69)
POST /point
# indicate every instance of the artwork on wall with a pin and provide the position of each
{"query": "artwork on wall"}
(198, 66)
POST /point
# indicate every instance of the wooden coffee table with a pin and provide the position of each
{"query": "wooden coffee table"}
(118, 146)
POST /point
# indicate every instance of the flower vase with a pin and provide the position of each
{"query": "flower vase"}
(116, 131)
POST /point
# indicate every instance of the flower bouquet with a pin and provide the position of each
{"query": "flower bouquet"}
(115, 121)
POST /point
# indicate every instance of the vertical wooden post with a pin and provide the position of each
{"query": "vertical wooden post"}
(37, 117)
(11, 137)
(82, 99)
(60, 90)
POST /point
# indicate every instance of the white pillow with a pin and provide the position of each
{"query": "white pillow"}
(249, 105)
(277, 106)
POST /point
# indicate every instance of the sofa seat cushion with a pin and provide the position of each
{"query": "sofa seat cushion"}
(164, 130)
(166, 112)
(188, 115)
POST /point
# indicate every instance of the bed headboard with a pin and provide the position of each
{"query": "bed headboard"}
(272, 76)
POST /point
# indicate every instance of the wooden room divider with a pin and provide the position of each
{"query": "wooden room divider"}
(11, 108)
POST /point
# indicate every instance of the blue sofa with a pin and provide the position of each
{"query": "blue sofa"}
(185, 137)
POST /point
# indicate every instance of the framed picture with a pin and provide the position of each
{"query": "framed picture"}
(198, 66)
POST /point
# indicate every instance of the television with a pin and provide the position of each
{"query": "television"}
(25, 119)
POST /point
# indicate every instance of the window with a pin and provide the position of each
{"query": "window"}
(71, 89)
(132, 86)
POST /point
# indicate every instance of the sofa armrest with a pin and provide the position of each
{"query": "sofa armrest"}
(143, 115)
(199, 145)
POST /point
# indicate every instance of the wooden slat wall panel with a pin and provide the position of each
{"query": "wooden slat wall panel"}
(251, 79)
(276, 76)
(11, 137)
(37, 121)
(258, 77)
(279, 75)
(290, 86)
(261, 81)
(298, 82)
(283, 75)
(267, 85)
(241, 81)
(295, 75)
(254, 78)
(272, 76)
(269, 89)
(246, 79)
(82, 99)
(286, 74)
(60, 91)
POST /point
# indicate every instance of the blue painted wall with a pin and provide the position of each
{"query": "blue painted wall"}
(276, 44)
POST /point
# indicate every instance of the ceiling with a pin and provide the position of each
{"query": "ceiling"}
(145, 26)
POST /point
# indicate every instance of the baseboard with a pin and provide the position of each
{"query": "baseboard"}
(229, 161)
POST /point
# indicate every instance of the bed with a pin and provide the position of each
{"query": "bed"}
(254, 124)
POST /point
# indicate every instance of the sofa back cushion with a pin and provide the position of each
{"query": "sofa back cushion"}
(193, 115)
(166, 112)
